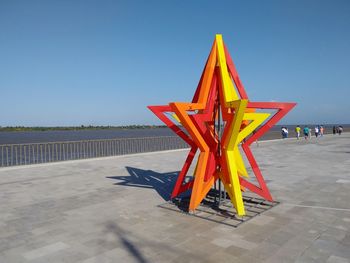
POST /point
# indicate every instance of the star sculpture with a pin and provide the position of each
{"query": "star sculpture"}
(220, 102)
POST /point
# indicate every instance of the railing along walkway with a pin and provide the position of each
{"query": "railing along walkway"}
(33, 153)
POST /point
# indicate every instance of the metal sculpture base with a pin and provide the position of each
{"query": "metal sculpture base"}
(223, 213)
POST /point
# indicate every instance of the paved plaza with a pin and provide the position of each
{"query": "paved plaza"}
(110, 210)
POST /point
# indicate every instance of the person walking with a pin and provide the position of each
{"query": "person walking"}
(340, 129)
(306, 132)
(284, 132)
(297, 132)
(321, 130)
(317, 130)
(334, 130)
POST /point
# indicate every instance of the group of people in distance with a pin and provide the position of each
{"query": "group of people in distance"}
(319, 131)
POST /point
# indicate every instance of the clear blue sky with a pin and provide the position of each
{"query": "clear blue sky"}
(103, 62)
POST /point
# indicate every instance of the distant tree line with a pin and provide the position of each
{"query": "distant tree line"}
(77, 128)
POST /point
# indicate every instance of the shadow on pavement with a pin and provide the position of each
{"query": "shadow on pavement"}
(128, 245)
(163, 183)
(136, 246)
(210, 208)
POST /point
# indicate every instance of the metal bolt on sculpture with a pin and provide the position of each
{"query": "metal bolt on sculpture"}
(220, 102)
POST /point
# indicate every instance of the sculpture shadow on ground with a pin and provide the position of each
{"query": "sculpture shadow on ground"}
(163, 183)
(211, 208)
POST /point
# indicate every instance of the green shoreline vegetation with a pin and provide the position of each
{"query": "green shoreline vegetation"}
(77, 128)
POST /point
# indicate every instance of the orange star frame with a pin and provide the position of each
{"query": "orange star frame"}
(220, 102)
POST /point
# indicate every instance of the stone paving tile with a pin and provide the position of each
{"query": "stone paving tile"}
(279, 237)
(234, 240)
(262, 220)
(101, 211)
(222, 242)
(49, 249)
(335, 259)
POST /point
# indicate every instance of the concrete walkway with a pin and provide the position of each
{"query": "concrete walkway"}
(107, 210)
